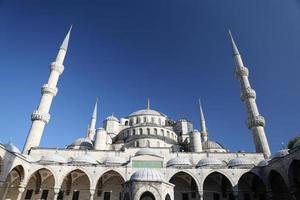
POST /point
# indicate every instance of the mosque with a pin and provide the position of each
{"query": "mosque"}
(147, 156)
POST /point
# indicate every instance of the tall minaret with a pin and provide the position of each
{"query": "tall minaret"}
(41, 116)
(255, 121)
(204, 132)
(92, 126)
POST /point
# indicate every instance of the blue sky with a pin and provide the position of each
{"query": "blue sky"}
(171, 51)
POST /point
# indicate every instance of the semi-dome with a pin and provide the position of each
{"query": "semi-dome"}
(84, 159)
(12, 148)
(210, 161)
(114, 161)
(236, 162)
(281, 153)
(147, 175)
(147, 112)
(146, 151)
(179, 162)
(81, 143)
(53, 158)
(112, 118)
(263, 163)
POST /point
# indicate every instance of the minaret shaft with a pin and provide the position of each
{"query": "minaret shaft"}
(92, 126)
(41, 116)
(255, 121)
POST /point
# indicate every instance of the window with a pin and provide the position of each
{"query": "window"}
(28, 194)
(168, 134)
(44, 194)
(138, 120)
(159, 121)
(131, 122)
(75, 195)
(145, 119)
(133, 132)
(162, 132)
(137, 144)
(148, 131)
(141, 131)
(126, 123)
(155, 131)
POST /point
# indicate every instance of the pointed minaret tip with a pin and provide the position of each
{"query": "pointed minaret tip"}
(202, 118)
(95, 109)
(148, 103)
(235, 50)
(65, 43)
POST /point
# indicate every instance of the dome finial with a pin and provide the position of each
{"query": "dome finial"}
(148, 103)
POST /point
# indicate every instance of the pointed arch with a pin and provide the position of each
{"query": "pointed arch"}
(279, 187)
(251, 187)
(294, 177)
(14, 179)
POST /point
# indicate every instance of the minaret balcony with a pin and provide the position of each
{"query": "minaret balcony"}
(256, 121)
(241, 71)
(37, 115)
(248, 93)
(48, 90)
(57, 67)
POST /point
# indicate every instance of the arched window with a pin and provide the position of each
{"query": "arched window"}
(131, 122)
(145, 119)
(162, 132)
(138, 120)
(148, 131)
(168, 134)
(159, 121)
(133, 132)
(126, 123)
(155, 131)
(137, 144)
(141, 131)
(148, 143)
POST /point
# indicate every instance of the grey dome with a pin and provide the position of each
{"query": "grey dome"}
(53, 158)
(179, 162)
(146, 151)
(209, 162)
(281, 153)
(12, 148)
(114, 161)
(209, 144)
(239, 162)
(147, 112)
(81, 143)
(146, 175)
(112, 118)
(85, 159)
(263, 163)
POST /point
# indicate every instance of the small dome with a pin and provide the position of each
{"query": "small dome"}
(12, 148)
(209, 161)
(209, 144)
(263, 163)
(53, 158)
(239, 162)
(146, 151)
(179, 162)
(81, 143)
(112, 118)
(281, 153)
(114, 161)
(146, 175)
(297, 144)
(85, 159)
(147, 112)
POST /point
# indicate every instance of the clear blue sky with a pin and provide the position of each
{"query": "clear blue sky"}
(172, 51)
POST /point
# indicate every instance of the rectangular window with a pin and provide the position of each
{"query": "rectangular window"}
(75, 195)
(106, 195)
(44, 194)
(28, 194)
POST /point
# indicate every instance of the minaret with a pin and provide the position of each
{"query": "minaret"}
(204, 132)
(255, 121)
(41, 116)
(92, 126)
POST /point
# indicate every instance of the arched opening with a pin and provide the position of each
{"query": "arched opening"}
(155, 131)
(13, 180)
(148, 131)
(141, 131)
(278, 187)
(147, 196)
(185, 186)
(40, 185)
(76, 185)
(294, 177)
(167, 197)
(147, 143)
(251, 187)
(216, 186)
(109, 186)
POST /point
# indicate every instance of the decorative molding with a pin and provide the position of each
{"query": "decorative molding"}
(57, 67)
(241, 71)
(37, 115)
(248, 93)
(256, 121)
(48, 90)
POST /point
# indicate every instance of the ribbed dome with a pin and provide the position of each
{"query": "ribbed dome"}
(81, 143)
(147, 175)
(179, 162)
(146, 151)
(85, 159)
(239, 162)
(209, 144)
(281, 153)
(209, 162)
(112, 118)
(12, 148)
(114, 161)
(263, 163)
(147, 112)
(53, 158)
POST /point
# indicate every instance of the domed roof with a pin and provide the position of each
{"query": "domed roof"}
(239, 162)
(53, 158)
(281, 153)
(263, 163)
(85, 159)
(179, 162)
(146, 151)
(209, 144)
(146, 174)
(112, 118)
(209, 161)
(81, 143)
(114, 160)
(147, 112)
(12, 148)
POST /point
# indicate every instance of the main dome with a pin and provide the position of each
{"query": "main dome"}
(147, 112)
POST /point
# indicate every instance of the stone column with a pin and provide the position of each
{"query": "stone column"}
(21, 190)
(56, 192)
(4, 189)
(92, 192)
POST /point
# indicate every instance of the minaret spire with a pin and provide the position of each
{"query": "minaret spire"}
(255, 121)
(204, 132)
(40, 117)
(92, 126)
(148, 103)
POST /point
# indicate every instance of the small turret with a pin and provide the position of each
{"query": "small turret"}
(195, 141)
(100, 139)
